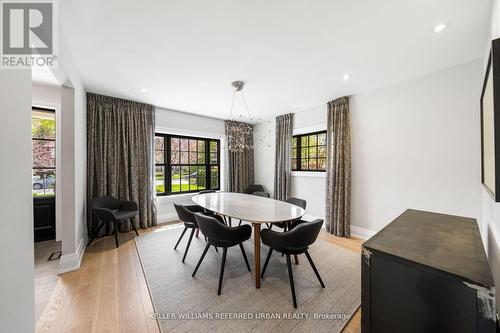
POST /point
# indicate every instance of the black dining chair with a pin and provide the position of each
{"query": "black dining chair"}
(253, 188)
(261, 194)
(206, 210)
(223, 236)
(111, 210)
(287, 225)
(186, 215)
(206, 191)
(295, 241)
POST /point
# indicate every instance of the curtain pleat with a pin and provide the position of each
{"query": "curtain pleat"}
(120, 146)
(241, 172)
(338, 168)
(283, 157)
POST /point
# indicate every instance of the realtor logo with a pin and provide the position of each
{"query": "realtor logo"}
(28, 34)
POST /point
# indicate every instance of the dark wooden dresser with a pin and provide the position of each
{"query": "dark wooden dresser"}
(427, 272)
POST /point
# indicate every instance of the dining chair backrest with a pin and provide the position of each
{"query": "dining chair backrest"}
(261, 194)
(253, 188)
(206, 191)
(304, 234)
(185, 215)
(216, 231)
(298, 202)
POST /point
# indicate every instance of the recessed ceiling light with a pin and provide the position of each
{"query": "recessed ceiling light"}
(143, 90)
(440, 27)
(346, 76)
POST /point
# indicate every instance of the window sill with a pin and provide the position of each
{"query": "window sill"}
(173, 197)
(309, 174)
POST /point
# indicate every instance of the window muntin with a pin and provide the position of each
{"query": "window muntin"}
(43, 142)
(186, 164)
(309, 152)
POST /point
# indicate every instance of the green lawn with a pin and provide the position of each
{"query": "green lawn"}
(178, 188)
(159, 176)
(43, 195)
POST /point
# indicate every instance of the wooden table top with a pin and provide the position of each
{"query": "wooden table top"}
(248, 207)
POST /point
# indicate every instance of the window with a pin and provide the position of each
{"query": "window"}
(309, 152)
(43, 134)
(186, 164)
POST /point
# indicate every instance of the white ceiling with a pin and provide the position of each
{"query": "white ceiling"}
(292, 54)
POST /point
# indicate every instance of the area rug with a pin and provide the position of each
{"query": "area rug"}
(186, 304)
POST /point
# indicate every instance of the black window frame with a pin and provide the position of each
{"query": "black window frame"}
(167, 165)
(299, 150)
(53, 168)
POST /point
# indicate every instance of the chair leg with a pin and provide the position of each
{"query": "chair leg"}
(197, 232)
(182, 235)
(245, 256)
(230, 221)
(223, 263)
(296, 259)
(133, 226)
(225, 219)
(116, 234)
(290, 276)
(216, 249)
(239, 224)
(314, 269)
(201, 259)
(96, 233)
(266, 262)
(187, 246)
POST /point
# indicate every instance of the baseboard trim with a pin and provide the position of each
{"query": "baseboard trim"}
(72, 261)
(362, 233)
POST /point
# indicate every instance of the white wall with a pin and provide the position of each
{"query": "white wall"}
(305, 185)
(73, 175)
(17, 300)
(414, 145)
(490, 209)
(49, 96)
(181, 123)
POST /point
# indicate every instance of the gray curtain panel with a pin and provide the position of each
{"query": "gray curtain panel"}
(283, 157)
(240, 162)
(120, 139)
(338, 168)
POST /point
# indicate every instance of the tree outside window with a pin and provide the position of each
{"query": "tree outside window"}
(43, 132)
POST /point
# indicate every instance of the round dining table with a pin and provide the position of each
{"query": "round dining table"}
(251, 208)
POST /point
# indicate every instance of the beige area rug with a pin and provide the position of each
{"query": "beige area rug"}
(186, 304)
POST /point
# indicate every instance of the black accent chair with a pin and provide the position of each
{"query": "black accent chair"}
(295, 242)
(111, 210)
(254, 188)
(288, 225)
(186, 215)
(223, 236)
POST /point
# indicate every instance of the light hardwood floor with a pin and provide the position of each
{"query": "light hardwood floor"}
(109, 292)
